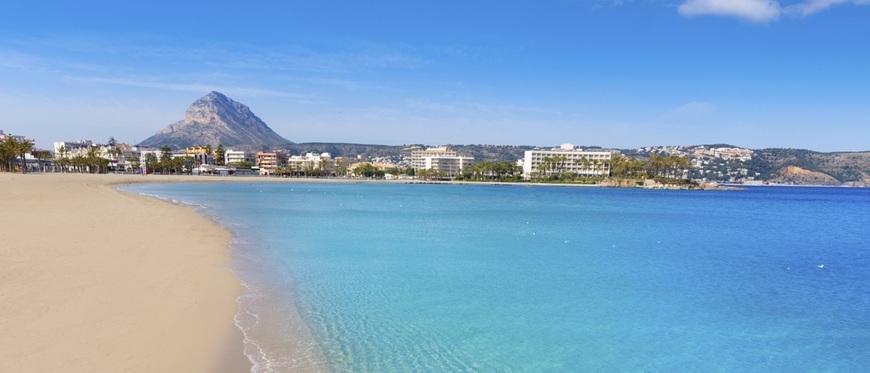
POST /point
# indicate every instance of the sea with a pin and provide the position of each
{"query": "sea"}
(389, 277)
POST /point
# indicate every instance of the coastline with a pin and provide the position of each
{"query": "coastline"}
(103, 280)
(99, 280)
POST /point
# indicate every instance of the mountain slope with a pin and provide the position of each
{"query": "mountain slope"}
(216, 119)
(799, 176)
(844, 166)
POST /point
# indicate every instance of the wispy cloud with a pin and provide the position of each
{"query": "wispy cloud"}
(13, 60)
(133, 51)
(811, 7)
(478, 108)
(192, 87)
(692, 110)
(759, 11)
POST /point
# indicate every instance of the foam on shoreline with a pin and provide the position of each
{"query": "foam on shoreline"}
(274, 336)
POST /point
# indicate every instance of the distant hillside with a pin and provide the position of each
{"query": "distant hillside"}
(216, 119)
(346, 150)
(769, 164)
(845, 166)
(479, 152)
(798, 176)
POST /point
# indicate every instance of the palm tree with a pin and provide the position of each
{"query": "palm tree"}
(150, 160)
(322, 167)
(308, 169)
(20, 148)
(78, 162)
(291, 168)
(92, 159)
(41, 157)
(134, 163)
(61, 158)
(116, 153)
(595, 166)
(6, 156)
(166, 157)
(584, 162)
(565, 165)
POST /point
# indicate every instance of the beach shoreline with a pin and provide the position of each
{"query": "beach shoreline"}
(76, 241)
(99, 280)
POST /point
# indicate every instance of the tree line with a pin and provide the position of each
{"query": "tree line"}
(504, 171)
(10, 149)
(671, 167)
(90, 162)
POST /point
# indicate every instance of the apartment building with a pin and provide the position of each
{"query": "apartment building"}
(440, 159)
(267, 162)
(237, 156)
(566, 159)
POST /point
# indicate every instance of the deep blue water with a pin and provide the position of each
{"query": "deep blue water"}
(384, 277)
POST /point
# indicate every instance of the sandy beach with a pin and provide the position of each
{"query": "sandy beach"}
(96, 280)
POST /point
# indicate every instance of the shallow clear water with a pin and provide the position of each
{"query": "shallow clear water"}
(519, 278)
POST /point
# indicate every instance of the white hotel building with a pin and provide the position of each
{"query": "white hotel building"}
(440, 159)
(597, 162)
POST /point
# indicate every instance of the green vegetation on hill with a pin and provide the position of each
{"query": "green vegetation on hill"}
(845, 167)
(345, 150)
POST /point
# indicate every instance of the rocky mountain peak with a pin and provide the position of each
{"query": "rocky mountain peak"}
(217, 119)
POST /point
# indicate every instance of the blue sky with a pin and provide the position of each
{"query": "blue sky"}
(753, 73)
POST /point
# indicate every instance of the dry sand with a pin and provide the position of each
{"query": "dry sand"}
(95, 280)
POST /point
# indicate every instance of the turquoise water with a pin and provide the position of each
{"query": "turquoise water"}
(382, 277)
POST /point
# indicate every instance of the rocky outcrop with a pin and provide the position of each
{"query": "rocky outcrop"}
(216, 119)
(618, 183)
(652, 184)
(798, 176)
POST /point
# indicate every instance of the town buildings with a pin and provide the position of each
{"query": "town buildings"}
(565, 159)
(4, 136)
(119, 155)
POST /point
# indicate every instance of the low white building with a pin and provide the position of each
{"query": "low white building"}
(311, 161)
(566, 159)
(237, 156)
(72, 147)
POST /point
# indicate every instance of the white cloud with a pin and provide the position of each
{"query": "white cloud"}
(753, 10)
(759, 11)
